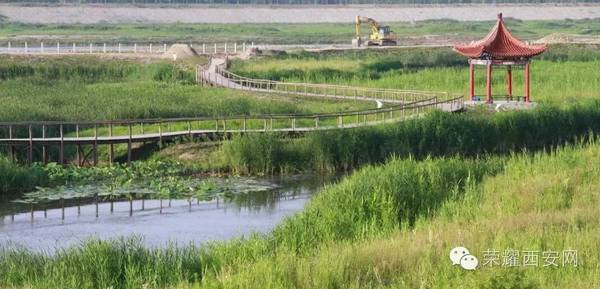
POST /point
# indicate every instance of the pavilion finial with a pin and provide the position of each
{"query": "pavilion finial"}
(500, 16)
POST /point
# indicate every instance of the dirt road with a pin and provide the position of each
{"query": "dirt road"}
(307, 14)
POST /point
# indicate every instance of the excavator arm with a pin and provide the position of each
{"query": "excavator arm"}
(374, 25)
(380, 35)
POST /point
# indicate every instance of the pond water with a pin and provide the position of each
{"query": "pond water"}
(239, 214)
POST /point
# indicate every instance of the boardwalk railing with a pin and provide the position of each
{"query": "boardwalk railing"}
(86, 137)
(216, 74)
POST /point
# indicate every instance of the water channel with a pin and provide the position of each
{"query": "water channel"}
(255, 205)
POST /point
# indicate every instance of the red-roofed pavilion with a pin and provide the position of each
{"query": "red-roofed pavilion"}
(499, 47)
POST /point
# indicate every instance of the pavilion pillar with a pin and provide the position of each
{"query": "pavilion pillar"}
(527, 83)
(509, 89)
(488, 83)
(472, 81)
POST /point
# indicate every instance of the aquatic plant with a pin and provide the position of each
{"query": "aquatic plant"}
(437, 134)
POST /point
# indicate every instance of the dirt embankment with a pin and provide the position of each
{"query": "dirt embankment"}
(279, 14)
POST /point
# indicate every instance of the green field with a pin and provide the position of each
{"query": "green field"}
(276, 33)
(525, 181)
(470, 135)
(85, 88)
(386, 226)
(563, 74)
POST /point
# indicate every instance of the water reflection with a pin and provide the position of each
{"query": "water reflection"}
(185, 221)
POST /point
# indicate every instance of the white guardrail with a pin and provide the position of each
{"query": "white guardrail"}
(99, 48)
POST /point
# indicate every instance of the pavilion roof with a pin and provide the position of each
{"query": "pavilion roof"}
(499, 44)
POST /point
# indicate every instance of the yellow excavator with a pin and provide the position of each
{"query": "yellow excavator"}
(380, 35)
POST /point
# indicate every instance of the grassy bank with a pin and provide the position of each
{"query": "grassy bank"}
(127, 265)
(438, 134)
(15, 179)
(383, 227)
(563, 74)
(84, 88)
(540, 203)
(277, 33)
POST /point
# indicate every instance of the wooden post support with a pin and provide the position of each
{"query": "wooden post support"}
(95, 144)
(472, 81)
(527, 83)
(488, 84)
(129, 145)
(509, 82)
(62, 145)
(160, 133)
(44, 148)
(78, 147)
(111, 149)
(30, 151)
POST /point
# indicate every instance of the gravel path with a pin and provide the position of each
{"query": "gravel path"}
(308, 14)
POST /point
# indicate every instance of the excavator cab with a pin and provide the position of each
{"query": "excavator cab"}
(384, 31)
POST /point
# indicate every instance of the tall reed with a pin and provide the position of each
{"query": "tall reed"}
(437, 134)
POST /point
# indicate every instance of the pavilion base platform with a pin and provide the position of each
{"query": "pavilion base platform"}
(500, 105)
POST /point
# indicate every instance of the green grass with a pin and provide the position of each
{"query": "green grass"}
(437, 134)
(544, 202)
(15, 179)
(277, 33)
(92, 89)
(563, 74)
(75, 89)
(383, 227)
(421, 186)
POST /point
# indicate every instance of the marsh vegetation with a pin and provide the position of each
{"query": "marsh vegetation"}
(518, 180)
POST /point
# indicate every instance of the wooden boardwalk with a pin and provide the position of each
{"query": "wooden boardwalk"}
(216, 74)
(86, 137)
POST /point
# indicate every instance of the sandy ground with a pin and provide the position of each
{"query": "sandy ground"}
(308, 14)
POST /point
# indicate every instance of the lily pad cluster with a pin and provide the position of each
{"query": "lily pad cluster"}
(127, 186)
